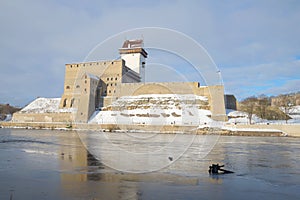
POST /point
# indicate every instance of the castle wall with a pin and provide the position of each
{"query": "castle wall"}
(128, 89)
(87, 98)
(111, 74)
(43, 117)
(215, 94)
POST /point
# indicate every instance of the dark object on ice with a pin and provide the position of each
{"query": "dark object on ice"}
(215, 168)
(170, 158)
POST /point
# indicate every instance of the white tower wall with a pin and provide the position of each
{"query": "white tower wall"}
(136, 62)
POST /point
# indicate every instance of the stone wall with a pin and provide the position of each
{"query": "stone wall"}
(43, 117)
(215, 94)
(290, 129)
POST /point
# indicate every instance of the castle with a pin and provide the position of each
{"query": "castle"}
(92, 86)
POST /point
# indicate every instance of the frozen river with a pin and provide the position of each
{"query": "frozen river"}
(50, 164)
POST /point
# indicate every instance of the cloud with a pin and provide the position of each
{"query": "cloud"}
(269, 78)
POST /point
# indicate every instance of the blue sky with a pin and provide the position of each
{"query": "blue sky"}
(254, 43)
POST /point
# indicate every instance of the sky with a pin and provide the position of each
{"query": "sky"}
(255, 44)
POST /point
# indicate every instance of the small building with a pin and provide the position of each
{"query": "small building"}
(230, 102)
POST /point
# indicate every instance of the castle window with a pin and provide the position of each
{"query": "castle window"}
(85, 81)
(109, 91)
(107, 84)
(116, 78)
(114, 91)
(72, 102)
(111, 84)
(68, 87)
(105, 92)
(112, 63)
(112, 79)
(115, 84)
(107, 79)
(90, 63)
(83, 64)
(77, 65)
(65, 103)
(77, 86)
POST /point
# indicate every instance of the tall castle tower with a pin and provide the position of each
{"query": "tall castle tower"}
(135, 56)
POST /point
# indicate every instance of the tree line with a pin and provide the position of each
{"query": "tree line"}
(270, 108)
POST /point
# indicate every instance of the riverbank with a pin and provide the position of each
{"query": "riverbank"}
(292, 130)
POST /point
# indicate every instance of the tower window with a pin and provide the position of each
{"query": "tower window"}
(65, 103)
(112, 79)
(116, 78)
(77, 86)
(68, 87)
(72, 102)
(107, 79)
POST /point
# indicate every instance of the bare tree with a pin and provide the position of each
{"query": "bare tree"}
(248, 105)
(285, 103)
(262, 104)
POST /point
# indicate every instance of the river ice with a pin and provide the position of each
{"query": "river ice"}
(44, 164)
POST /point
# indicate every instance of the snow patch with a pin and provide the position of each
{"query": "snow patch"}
(46, 105)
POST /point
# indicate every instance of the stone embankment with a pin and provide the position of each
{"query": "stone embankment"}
(235, 130)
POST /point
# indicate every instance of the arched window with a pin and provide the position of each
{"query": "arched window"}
(67, 87)
(65, 103)
(77, 86)
(72, 102)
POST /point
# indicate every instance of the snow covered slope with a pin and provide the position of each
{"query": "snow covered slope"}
(242, 117)
(45, 105)
(155, 109)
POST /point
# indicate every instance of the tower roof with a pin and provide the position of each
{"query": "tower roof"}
(133, 46)
(129, 44)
